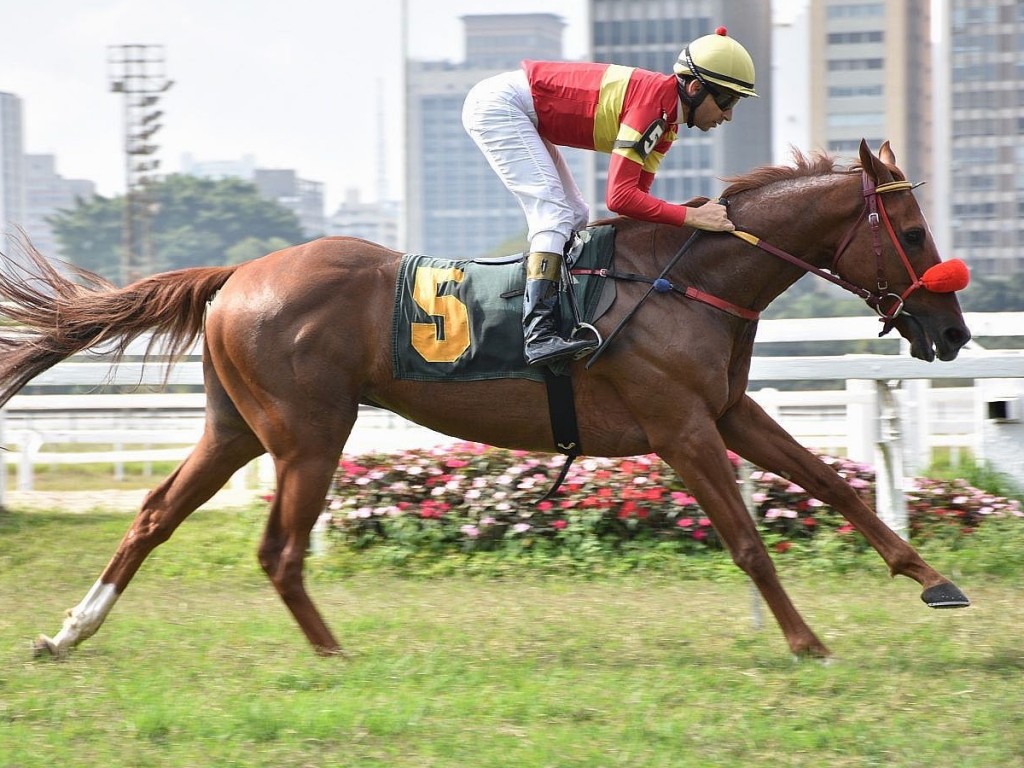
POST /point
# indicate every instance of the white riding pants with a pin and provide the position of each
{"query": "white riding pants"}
(500, 117)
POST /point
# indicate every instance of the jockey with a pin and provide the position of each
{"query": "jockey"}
(518, 119)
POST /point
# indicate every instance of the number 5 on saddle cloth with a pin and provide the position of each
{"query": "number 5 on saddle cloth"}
(462, 319)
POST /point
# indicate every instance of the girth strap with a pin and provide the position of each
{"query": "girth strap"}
(564, 428)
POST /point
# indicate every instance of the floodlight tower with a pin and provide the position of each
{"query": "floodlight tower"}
(137, 72)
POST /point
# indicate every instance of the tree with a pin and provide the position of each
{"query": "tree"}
(197, 222)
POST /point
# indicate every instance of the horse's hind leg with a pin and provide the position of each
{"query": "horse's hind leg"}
(215, 458)
(303, 481)
(753, 434)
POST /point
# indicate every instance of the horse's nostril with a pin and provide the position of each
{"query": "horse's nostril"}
(957, 337)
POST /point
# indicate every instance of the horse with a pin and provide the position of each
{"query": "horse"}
(293, 342)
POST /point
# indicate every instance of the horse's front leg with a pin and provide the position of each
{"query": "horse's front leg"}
(754, 435)
(700, 458)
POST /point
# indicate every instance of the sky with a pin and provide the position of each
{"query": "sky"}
(301, 84)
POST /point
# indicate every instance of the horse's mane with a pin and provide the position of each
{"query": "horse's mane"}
(814, 164)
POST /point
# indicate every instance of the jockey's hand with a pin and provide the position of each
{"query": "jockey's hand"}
(712, 216)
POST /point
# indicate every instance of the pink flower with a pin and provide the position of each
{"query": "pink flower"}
(558, 525)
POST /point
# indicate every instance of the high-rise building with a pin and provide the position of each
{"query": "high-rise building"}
(790, 55)
(455, 204)
(376, 222)
(650, 34)
(985, 76)
(12, 175)
(47, 193)
(302, 197)
(871, 78)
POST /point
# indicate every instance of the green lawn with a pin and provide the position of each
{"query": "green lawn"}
(200, 665)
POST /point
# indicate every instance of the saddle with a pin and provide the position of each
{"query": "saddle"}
(461, 320)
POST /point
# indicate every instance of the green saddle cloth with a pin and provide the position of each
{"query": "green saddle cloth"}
(461, 320)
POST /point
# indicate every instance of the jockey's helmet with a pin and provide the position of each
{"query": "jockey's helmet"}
(718, 62)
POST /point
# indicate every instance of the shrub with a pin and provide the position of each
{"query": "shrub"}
(470, 498)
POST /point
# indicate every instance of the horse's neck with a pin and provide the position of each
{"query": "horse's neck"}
(806, 219)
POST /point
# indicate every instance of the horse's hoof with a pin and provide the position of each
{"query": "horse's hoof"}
(43, 646)
(945, 595)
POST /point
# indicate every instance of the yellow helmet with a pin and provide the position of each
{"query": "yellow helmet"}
(719, 60)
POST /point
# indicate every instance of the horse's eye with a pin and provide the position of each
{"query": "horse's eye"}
(913, 236)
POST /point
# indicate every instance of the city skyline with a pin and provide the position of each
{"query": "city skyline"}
(312, 92)
(293, 92)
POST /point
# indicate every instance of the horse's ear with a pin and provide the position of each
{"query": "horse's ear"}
(873, 166)
(866, 158)
(886, 155)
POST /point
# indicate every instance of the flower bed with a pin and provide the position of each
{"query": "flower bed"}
(471, 497)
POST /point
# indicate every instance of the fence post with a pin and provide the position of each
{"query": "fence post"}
(916, 416)
(861, 410)
(889, 499)
(30, 445)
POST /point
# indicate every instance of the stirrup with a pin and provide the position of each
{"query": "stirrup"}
(598, 341)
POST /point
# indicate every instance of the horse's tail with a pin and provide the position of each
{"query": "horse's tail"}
(60, 316)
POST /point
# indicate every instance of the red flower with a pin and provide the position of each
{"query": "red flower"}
(810, 522)
(558, 524)
(783, 546)
(544, 506)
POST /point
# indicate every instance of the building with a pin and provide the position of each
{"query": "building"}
(455, 204)
(790, 108)
(650, 34)
(871, 78)
(47, 193)
(302, 197)
(377, 222)
(983, 70)
(12, 175)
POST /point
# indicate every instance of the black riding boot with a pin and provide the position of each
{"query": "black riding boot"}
(542, 342)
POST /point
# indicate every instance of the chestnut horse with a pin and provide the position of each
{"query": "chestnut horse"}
(293, 342)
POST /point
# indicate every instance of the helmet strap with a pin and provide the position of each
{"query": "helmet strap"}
(691, 102)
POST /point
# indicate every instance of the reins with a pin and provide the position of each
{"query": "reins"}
(875, 213)
(656, 285)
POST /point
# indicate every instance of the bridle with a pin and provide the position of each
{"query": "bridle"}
(887, 304)
(941, 278)
(874, 210)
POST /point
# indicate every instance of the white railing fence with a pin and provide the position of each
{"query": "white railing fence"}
(890, 412)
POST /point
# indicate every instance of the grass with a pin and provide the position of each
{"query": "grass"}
(200, 665)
